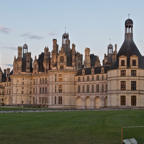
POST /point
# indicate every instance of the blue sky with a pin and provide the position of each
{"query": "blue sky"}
(89, 23)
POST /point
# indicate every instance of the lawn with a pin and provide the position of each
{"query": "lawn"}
(87, 127)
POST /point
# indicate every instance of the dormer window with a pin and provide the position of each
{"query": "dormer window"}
(61, 67)
(83, 72)
(92, 71)
(122, 62)
(61, 58)
(133, 62)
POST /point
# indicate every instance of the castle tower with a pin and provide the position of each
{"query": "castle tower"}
(87, 62)
(0, 75)
(73, 55)
(46, 59)
(65, 42)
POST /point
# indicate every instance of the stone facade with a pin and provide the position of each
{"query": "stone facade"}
(60, 79)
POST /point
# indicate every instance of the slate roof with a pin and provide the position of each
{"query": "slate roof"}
(128, 49)
(97, 70)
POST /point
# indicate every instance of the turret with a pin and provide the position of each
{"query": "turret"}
(87, 62)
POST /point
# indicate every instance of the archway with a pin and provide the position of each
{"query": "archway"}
(105, 101)
(78, 103)
(97, 102)
(87, 103)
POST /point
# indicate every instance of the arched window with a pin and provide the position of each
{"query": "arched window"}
(45, 80)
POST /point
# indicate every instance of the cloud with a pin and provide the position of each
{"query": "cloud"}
(31, 36)
(10, 48)
(35, 37)
(9, 65)
(25, 35)
(4, 29)
(53, 33)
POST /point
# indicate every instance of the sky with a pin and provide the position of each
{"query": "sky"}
(90, 23)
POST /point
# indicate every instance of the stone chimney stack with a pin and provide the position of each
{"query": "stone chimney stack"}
(87, 62)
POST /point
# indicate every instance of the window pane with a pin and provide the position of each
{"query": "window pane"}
(123, 85)
(122, 62)
(133, 72)
(133, 100)
(123, 100)
(133, 85)
(60, 88)
(123, 73)
(60, 77)
(133, 62)
(61, 58)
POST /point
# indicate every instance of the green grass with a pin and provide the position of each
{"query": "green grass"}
(88, 127)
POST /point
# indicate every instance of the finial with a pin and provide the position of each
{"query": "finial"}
(128, 15)
(65, 29)
(110, 41)
(25, 40)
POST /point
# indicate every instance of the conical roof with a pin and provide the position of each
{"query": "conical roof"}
(128, 49)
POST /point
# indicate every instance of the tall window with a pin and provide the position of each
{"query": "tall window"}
(122, 62)
(102, 87)
(45, 90)
(61, 58)
(45, 80)
(40, 80)
(92, 88)
(61, 67)
(97, 77)
(36, 81)
(60, 88)
(55, 77)
(87, 78)
(133, 62)
(33, 81)
(40, 91)
(123, 100)
(79, 79)
(33, 90)
(102, 77)
(92, 78)
(133, 72)
(60, 100)
(123, 85)
(87, 88)
(79, 89)
(106, 87)
(83, 89)
(133, 85)
(97, 88)
(83, 78)
(133, 100)
(55, 89)
(123, 73)
(60, 77)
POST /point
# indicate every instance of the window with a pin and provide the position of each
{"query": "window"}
(60, 100)
(92, 78)
(60, 88)
(87, 88)
(22, 92)
(97, 77)
(60, 77)
(83, 88)
(55, 99)
(40, 80)
(133, 100)
(123, 73)
(55, 89)
(55, 77)
(133, 72)
(40, 91)
(79, 89)
(79, 79)
(87, 78)
(133, 62)
(45, 80)
(123, 100)
(33, 81)
(102, 87)
(83, 78)
(36, 90)
(45, 90)
(92, 88)
(61, 67)
(33, 90)
(122, 62)
(102, 77)
(123, 85)
(97, 88)
(106, 87)
(23, 83)
(133, 85)
(61, 58)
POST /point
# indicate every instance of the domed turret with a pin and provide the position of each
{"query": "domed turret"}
(25, 46)
(65, 35)
(128, 22)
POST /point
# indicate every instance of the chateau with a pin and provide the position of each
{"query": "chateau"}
(60, 79)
